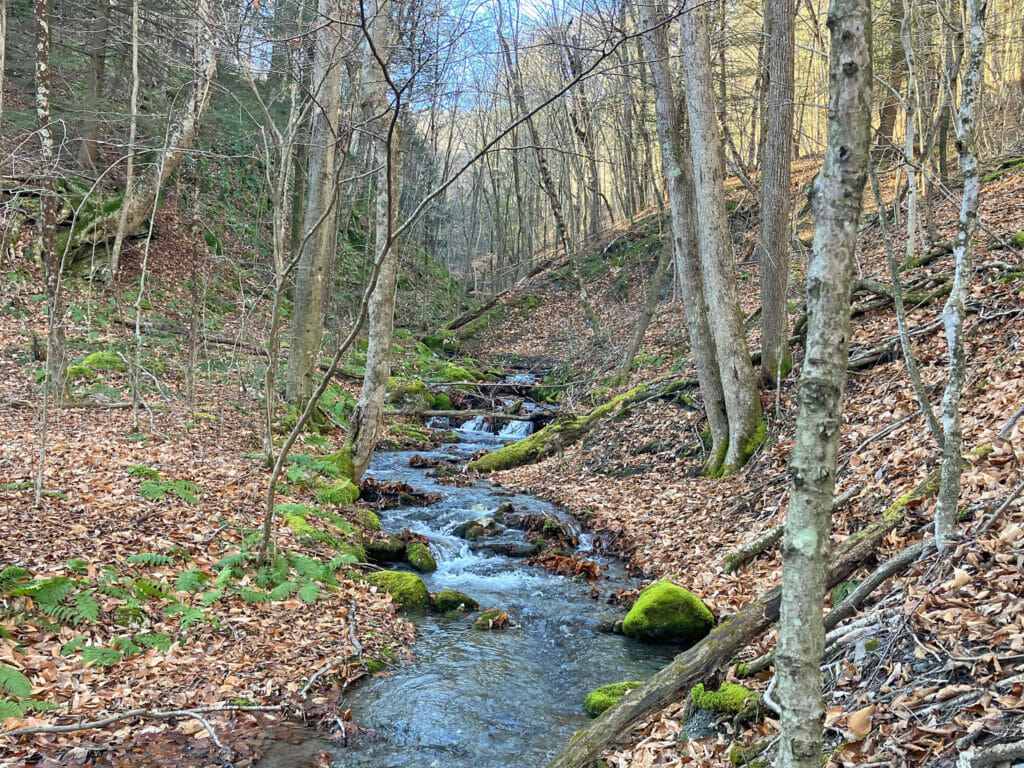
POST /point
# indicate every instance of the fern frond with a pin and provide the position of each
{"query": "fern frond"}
(283, 591)
(10, 708)
(151, 588)
(141, 470)
(78, 565)
(161, 641)
(209, 598)
(191, 581)
(96, 655)
(73, 646)
(126, 647)
(86, 607)
(149, 558)
(231, 561)
(341, 561)
(253, 596)
(14, 683)
(309, 592)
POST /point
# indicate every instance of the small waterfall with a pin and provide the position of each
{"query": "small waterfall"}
(517, 429)
(476, 424)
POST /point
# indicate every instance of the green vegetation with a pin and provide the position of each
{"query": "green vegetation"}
(406, 589)
(729, 697)
(666, 613)
(448, 600)
(417, 554)
(600, 699)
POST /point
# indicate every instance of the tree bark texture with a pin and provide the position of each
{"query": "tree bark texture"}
(838, 194)
(953, 312)
(776, 360)
(369, 410)
(742, 400)
(677, 166)
(321, 230)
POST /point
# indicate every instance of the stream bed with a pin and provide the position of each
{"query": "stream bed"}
(490, 699)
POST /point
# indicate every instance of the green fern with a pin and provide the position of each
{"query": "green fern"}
(209, 598)
(284, 591)
(98, 656)
(187, 617)
(141, 470)
(191, 581)
(231, 561)
(307, 567)
(126, 647)
(341, 561)
(149, 558)
(11, 575)
(253, 596)
(10, 708)
(78, 565)
(161, 641)
(309, 592)
(86, 606)
(14, 683)
(157, 490)
(73, 646)
(151, 588)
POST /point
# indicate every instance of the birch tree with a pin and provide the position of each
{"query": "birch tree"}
(955, 308)
(837, 199)
(742, 400)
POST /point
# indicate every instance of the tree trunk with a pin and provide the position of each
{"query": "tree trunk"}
(776, 360)
(56, 363)
(583, 124)
(129, 176)
(320, 237)
(139, 204)
(838, 194)
(742, 400)
(678, 169)
(95, 78)
(953, 313)
(369, 410)
(647, 311)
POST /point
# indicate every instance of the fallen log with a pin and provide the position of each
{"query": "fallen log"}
(718, 649)
(226, 341)
(502, 415)
(473, 314)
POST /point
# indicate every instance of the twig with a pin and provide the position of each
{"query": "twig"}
(339, 661)
(999, 753)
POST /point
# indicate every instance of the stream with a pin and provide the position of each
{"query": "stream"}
(490, 699)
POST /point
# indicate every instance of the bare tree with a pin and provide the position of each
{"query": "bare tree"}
(742, 400)
(776, 360)
(838, 192)
(955, 309)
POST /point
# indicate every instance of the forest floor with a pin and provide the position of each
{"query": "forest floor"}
(940, 665)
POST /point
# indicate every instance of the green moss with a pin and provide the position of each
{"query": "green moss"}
(600, 699)
(418, 556)
(389, 550)
(756, 439)
(341, 494)
(443, 342)
(729, 697)
(872, 645)
(80, 372)
(442, 401)
(552, 526)
(492, 619)
(449, 600)
(342, 459)
(666, 613)
(749, 757)
(381, 661)
(368, 519)
(1017, 238)
(409, 395)
(406, 589)
(103, 360)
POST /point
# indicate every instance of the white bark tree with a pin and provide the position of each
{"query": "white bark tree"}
(837, 197)
(955, 308)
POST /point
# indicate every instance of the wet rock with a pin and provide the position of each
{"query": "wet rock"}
(505, 508)
(507, 548)
(418, 556)
(492, 619)
(388, 550)
(666, 613)
(406, 589)
(448, 600)
(471, 530)
(600, 699)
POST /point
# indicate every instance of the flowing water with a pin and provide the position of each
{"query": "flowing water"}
(479, 699)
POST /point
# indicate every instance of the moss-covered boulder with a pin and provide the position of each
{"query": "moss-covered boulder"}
(387, 550)
(418, 556)
(471, 530)
(406, 589)
(448, 600)
(666, 613)
(368, 519)
(492, 619)
(442, 401)
(442, 342)
(339, 494)
(409, 395)
(600, 699)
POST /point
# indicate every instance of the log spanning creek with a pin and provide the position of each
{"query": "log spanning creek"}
(476, 698)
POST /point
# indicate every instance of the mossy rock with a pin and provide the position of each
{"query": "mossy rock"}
(341, 494)
(442, 342)
(91, 364)
(381, 661)
(600, 699)
(442, 401)
(471, 530)
(492, 619)
(452, 372)
(448, 600)
(389, 550)
(730, 698)
(418, 556)
(409, 395)
(449, 436)
(666, 613)
(406, 589)
(368, 519)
